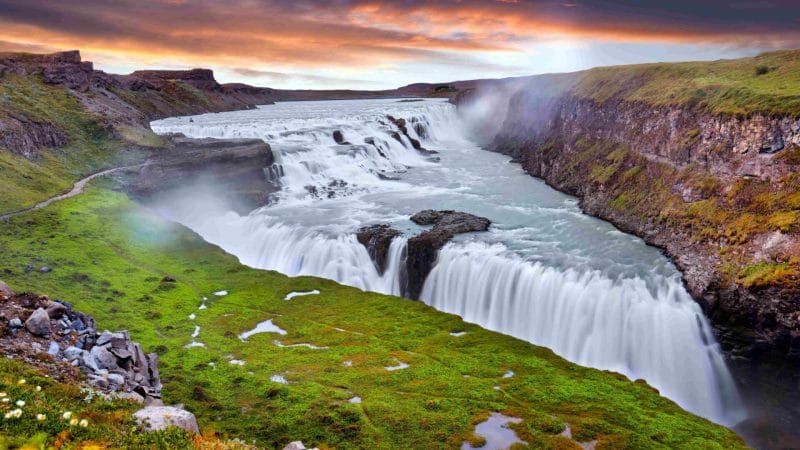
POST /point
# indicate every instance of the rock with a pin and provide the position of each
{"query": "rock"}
(377, 239)
(5, 290)
(45, 269)
(53, 349)
(15, 323)
(104, 359)
(423, 248)
(339, 138)
(236, 166)
(116, 379)
(56, 310)
(168, 279)
(72, 353)
(296, 445)
(38, 323)
(156, 418)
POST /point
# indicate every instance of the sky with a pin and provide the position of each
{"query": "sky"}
(379, 44)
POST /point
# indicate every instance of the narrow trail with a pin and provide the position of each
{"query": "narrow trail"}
(77, 189)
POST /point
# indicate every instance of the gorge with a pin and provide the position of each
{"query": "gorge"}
(544, 272)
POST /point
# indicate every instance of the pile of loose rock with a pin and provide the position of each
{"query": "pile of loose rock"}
(43, 331)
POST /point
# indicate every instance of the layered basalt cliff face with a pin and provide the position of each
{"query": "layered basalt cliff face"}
(708, 172)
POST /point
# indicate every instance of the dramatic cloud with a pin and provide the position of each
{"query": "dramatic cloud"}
(339, 42)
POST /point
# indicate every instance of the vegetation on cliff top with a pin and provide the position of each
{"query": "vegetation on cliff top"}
(109, 257)
(768, 83)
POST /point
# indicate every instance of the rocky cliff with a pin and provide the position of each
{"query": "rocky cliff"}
(706, 171)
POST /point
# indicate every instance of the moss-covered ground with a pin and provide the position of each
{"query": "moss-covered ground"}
(109, 257)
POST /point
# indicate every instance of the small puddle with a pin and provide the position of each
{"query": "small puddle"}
(400, 365)
(292, 295)
(264, 327)
(496, 432)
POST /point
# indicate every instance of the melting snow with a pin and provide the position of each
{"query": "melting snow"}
(348, 363)
(400, 365)
(221, 293)
(196, 331)
(355, 399)
(508, 374)
(278, 379)
(263, 327)
(237, 362)
(194, 344)
(311, 346)
(458, 333)
(192, 316)
(292, 295)
(203, 306)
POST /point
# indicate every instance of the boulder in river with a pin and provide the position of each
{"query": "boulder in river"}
(423, 248)
(377, 239)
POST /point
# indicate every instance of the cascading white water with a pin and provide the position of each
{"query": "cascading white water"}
(544, 273)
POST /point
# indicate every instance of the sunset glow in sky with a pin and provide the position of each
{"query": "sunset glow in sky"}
(376, 44)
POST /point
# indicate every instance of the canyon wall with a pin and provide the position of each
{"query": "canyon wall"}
(717, 190)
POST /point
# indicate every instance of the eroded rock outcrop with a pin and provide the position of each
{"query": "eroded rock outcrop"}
(377, 239)
(422, 249)
(242, 171)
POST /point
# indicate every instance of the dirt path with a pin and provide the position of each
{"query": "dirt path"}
(77, 188)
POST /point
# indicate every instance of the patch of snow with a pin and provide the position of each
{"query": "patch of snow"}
(237, 362)
(340, 330)
(192, 316)
(292, 295)
(400, 365)
(311, 346)
(458, 333)
(202, 306)
(213, 365)
(355, 400)
(496, 388)
(264, 327)
(278, 379)
(194, 344)
(221, 293)
(348, 363)
(196, 331)
(508, 374)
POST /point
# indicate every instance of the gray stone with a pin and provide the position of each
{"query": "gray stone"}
(5, 290)
(16, 322)
(121, 353)
(116, 379)
(53, 349)
(156, 418)
(296, 445)
(98, 382)
(45, 269)
(104, 358)
(72, 353)
(38, 323)
(104, 338)
(89, 361)
(56, 310)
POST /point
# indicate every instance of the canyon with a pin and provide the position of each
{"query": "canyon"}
(366, 193)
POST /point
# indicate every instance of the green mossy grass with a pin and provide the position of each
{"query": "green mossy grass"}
(109, 257)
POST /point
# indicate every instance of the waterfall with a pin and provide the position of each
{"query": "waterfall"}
(636, 319)
(590, 319)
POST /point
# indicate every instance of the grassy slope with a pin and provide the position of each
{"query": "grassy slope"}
(109, 255)
(767, 83)
(91, 146)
